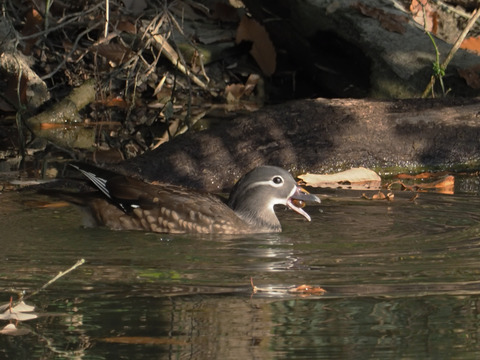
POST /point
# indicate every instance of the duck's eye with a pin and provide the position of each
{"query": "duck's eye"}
(277, 180)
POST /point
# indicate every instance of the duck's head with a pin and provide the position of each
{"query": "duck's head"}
(254, 196)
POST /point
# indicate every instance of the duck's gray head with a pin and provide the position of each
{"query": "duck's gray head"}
(254, 196)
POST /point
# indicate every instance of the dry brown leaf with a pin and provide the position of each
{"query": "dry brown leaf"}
(388, 21)
(355, 178)
(471, 76)
(262, 49)
(234, 92)
(114, 101)
(126, 26)
(33, 24)
(251, 83)
(472, 44)
(424, 175)
(420, 10)
(225, 12)
(115, 53)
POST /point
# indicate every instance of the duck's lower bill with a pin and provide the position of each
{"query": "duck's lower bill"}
(299, 197)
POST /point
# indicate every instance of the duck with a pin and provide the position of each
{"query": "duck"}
(127, 203)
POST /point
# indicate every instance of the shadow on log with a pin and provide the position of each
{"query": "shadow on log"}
(322, 135)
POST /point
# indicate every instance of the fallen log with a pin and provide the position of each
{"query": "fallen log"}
(322, 135)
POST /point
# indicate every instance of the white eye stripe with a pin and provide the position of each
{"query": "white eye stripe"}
(268, 182)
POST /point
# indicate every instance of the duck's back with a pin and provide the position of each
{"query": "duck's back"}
(164, 208)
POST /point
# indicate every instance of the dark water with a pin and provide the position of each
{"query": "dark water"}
(402, 281)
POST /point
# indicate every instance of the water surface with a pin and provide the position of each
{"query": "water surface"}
(402, 281)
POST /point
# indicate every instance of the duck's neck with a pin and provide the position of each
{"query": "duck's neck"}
(263, 220)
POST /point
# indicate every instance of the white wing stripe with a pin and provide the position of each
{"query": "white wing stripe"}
(99, 182)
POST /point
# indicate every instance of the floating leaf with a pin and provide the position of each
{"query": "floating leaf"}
(22, 307)
(424, 175)
(380, 196)
(307, 289)
(12, 330)
(444, 185)
(19, 312)
(20, 316)
(355, 178)
(302, 289)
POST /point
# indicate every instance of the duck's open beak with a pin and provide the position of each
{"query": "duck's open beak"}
(298, 199)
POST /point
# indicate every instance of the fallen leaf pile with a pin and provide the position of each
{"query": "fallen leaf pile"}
(366, 179)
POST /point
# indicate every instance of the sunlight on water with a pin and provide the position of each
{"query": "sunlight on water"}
(402, 281)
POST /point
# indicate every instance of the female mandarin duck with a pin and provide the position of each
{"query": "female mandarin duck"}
(131, 204)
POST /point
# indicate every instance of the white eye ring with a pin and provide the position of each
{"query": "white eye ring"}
(277, 180)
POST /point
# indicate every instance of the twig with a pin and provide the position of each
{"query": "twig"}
(59, 275)
(48, 5)
(107, 17)
(162, 44)
(74, 48)
(446, 7)
(62, 22)
(474, 17)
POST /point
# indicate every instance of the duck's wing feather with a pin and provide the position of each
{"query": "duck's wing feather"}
(168, 208)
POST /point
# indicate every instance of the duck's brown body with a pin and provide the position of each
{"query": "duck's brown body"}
(167, 208)
(131, 204)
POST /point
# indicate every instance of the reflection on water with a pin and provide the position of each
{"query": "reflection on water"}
(402, 280)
